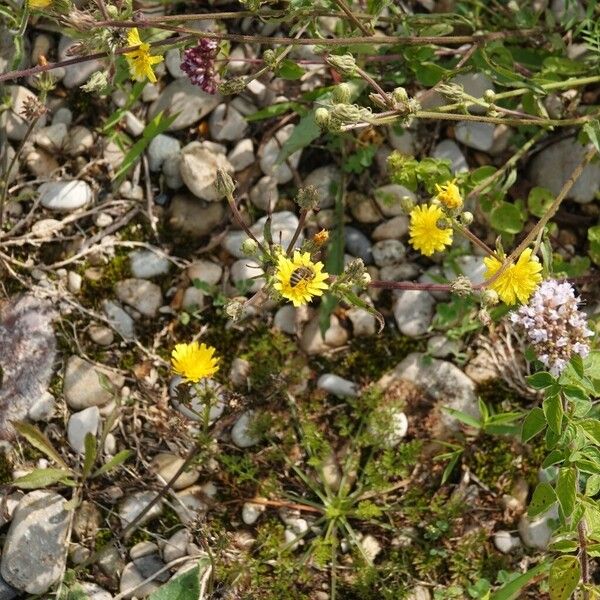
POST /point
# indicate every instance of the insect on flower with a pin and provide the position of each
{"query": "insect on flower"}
(301, 274)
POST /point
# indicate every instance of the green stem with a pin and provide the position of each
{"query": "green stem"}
(424, 114)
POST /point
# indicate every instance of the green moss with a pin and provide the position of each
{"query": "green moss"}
(116, 270)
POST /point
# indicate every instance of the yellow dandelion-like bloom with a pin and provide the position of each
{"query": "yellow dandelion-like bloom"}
(194, 361)
(140, 60)
(449, 195)
(39, 3)
(518, 281)
(299, 279)
(425, 235)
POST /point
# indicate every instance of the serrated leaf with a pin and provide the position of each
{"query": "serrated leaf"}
(89, 457)
(41, 478)
(553, 411)
(543, 498)
(564, 577)
(186, 586)
(115, 461)
(38, 440)
(533, 423)
(566, 489)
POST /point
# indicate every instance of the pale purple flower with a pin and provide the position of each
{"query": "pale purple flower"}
(199, 64)
(554, 325)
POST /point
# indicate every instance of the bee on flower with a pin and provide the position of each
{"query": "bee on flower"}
(140, 60)
(299, 279)
(518, 281)
(426, 235)
(448, 194)
(194, 361)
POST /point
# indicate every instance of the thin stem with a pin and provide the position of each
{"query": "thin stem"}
(301, 221)
(583, 557)
(384, 95)
(238, 217)
(425, 114)
(474, 239)
(346, 9)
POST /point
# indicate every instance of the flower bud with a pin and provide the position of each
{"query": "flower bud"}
(461, 286)
(365, 279)
(235, 309)
(249, 247)
(270, 58)
(443, 224)
(344, 63)
(308, 198)
(399, 95)
(341, 93)
(489, 96)
(224, 184)
(489, 297)
(322, 117)
(466, 218)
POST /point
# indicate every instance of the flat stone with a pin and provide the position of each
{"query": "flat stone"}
(77, 74)
(39, 162)
(144, 296)
(133, 505)
(389, 198)
(553, 166)
(120, 320)
(227, 124)
(441, 380)
(449, 150)
(285, 319)
(83, 384)
(80, 424)
(65, 196)
(194, 406)
(193, 298)
(241, 435)
(130, 585)
(388, 252)
(34, 553)
(198, 169)
(205, 270)
(265, 193)
(470, 266)
(363, 322)
(103, 336)
(358, 244)
(479, 136)
(251, 512)
(326, 180)
(537, 532)
(176, 546)
(52, 137)
(27, 353)
(242, 155)
(269, 155)
(393, 229)
(505, 542)
(160, 149)
(312, 342)
(146, 264)
(79, 141)
(191, 504)
(338, 386)
(93, 591)
(191, 217)
(247, 273)
(182, 97)
(166, 465)
(413, 311)
(43, 409)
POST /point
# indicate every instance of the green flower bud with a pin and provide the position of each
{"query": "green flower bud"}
(270, 58)
(224, 184)
(489, 96)
(466, 218)
(489, 297)
(341, 93)
(249, 247)
(399, 96)
(322, 117)
(344, 63)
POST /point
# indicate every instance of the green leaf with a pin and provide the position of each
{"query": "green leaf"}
(533, 423)
(274, 111)
(553, 458)
(463, 417)
(115, 461)
(512, 589)
(539, 200)
(543, 498)
(592, 485)
(591, 429)
(38, 440)
(303, 134)
(41, 478)
(89, 457)
(186, 586)
(564, 577)
(541, 380)
(288, 69)
(566, 489)
(592, 130)
(553, 410)
(453, 456)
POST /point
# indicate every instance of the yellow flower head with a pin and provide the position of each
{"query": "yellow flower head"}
(518, 281)
(449, 195)
(425, 235)
(39, 3)
(194, 361)
(299, 279)
(140, 60)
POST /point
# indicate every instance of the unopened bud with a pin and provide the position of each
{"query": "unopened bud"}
(443, 223)
(341, 93)
(365, 279)
(235, 309)
(466, 218)
(490, 297)
(224, 184)
(344, 63)
(489, 96)
(322, 117)
(249, 247)
(308, 198)
(399, 95)
(270, 58)
(461, 286)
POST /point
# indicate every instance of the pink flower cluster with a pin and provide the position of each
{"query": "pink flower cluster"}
(199, 65)
(554, 325)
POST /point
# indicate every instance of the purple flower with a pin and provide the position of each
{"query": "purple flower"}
(554, 325)
(199, 64)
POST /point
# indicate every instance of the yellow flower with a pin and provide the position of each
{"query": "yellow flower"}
(39, 3)
(518, 281)
(449, 195)
(425, 235)
(140, 60)
(300, 279)
(194, 361)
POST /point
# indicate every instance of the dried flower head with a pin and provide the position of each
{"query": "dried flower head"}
(425, 234)
(199, 64)
(518, 281)
(140, 60)
(308, 197)
(554, 325)
(299, 279)
(194, 361)
(32, 109)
